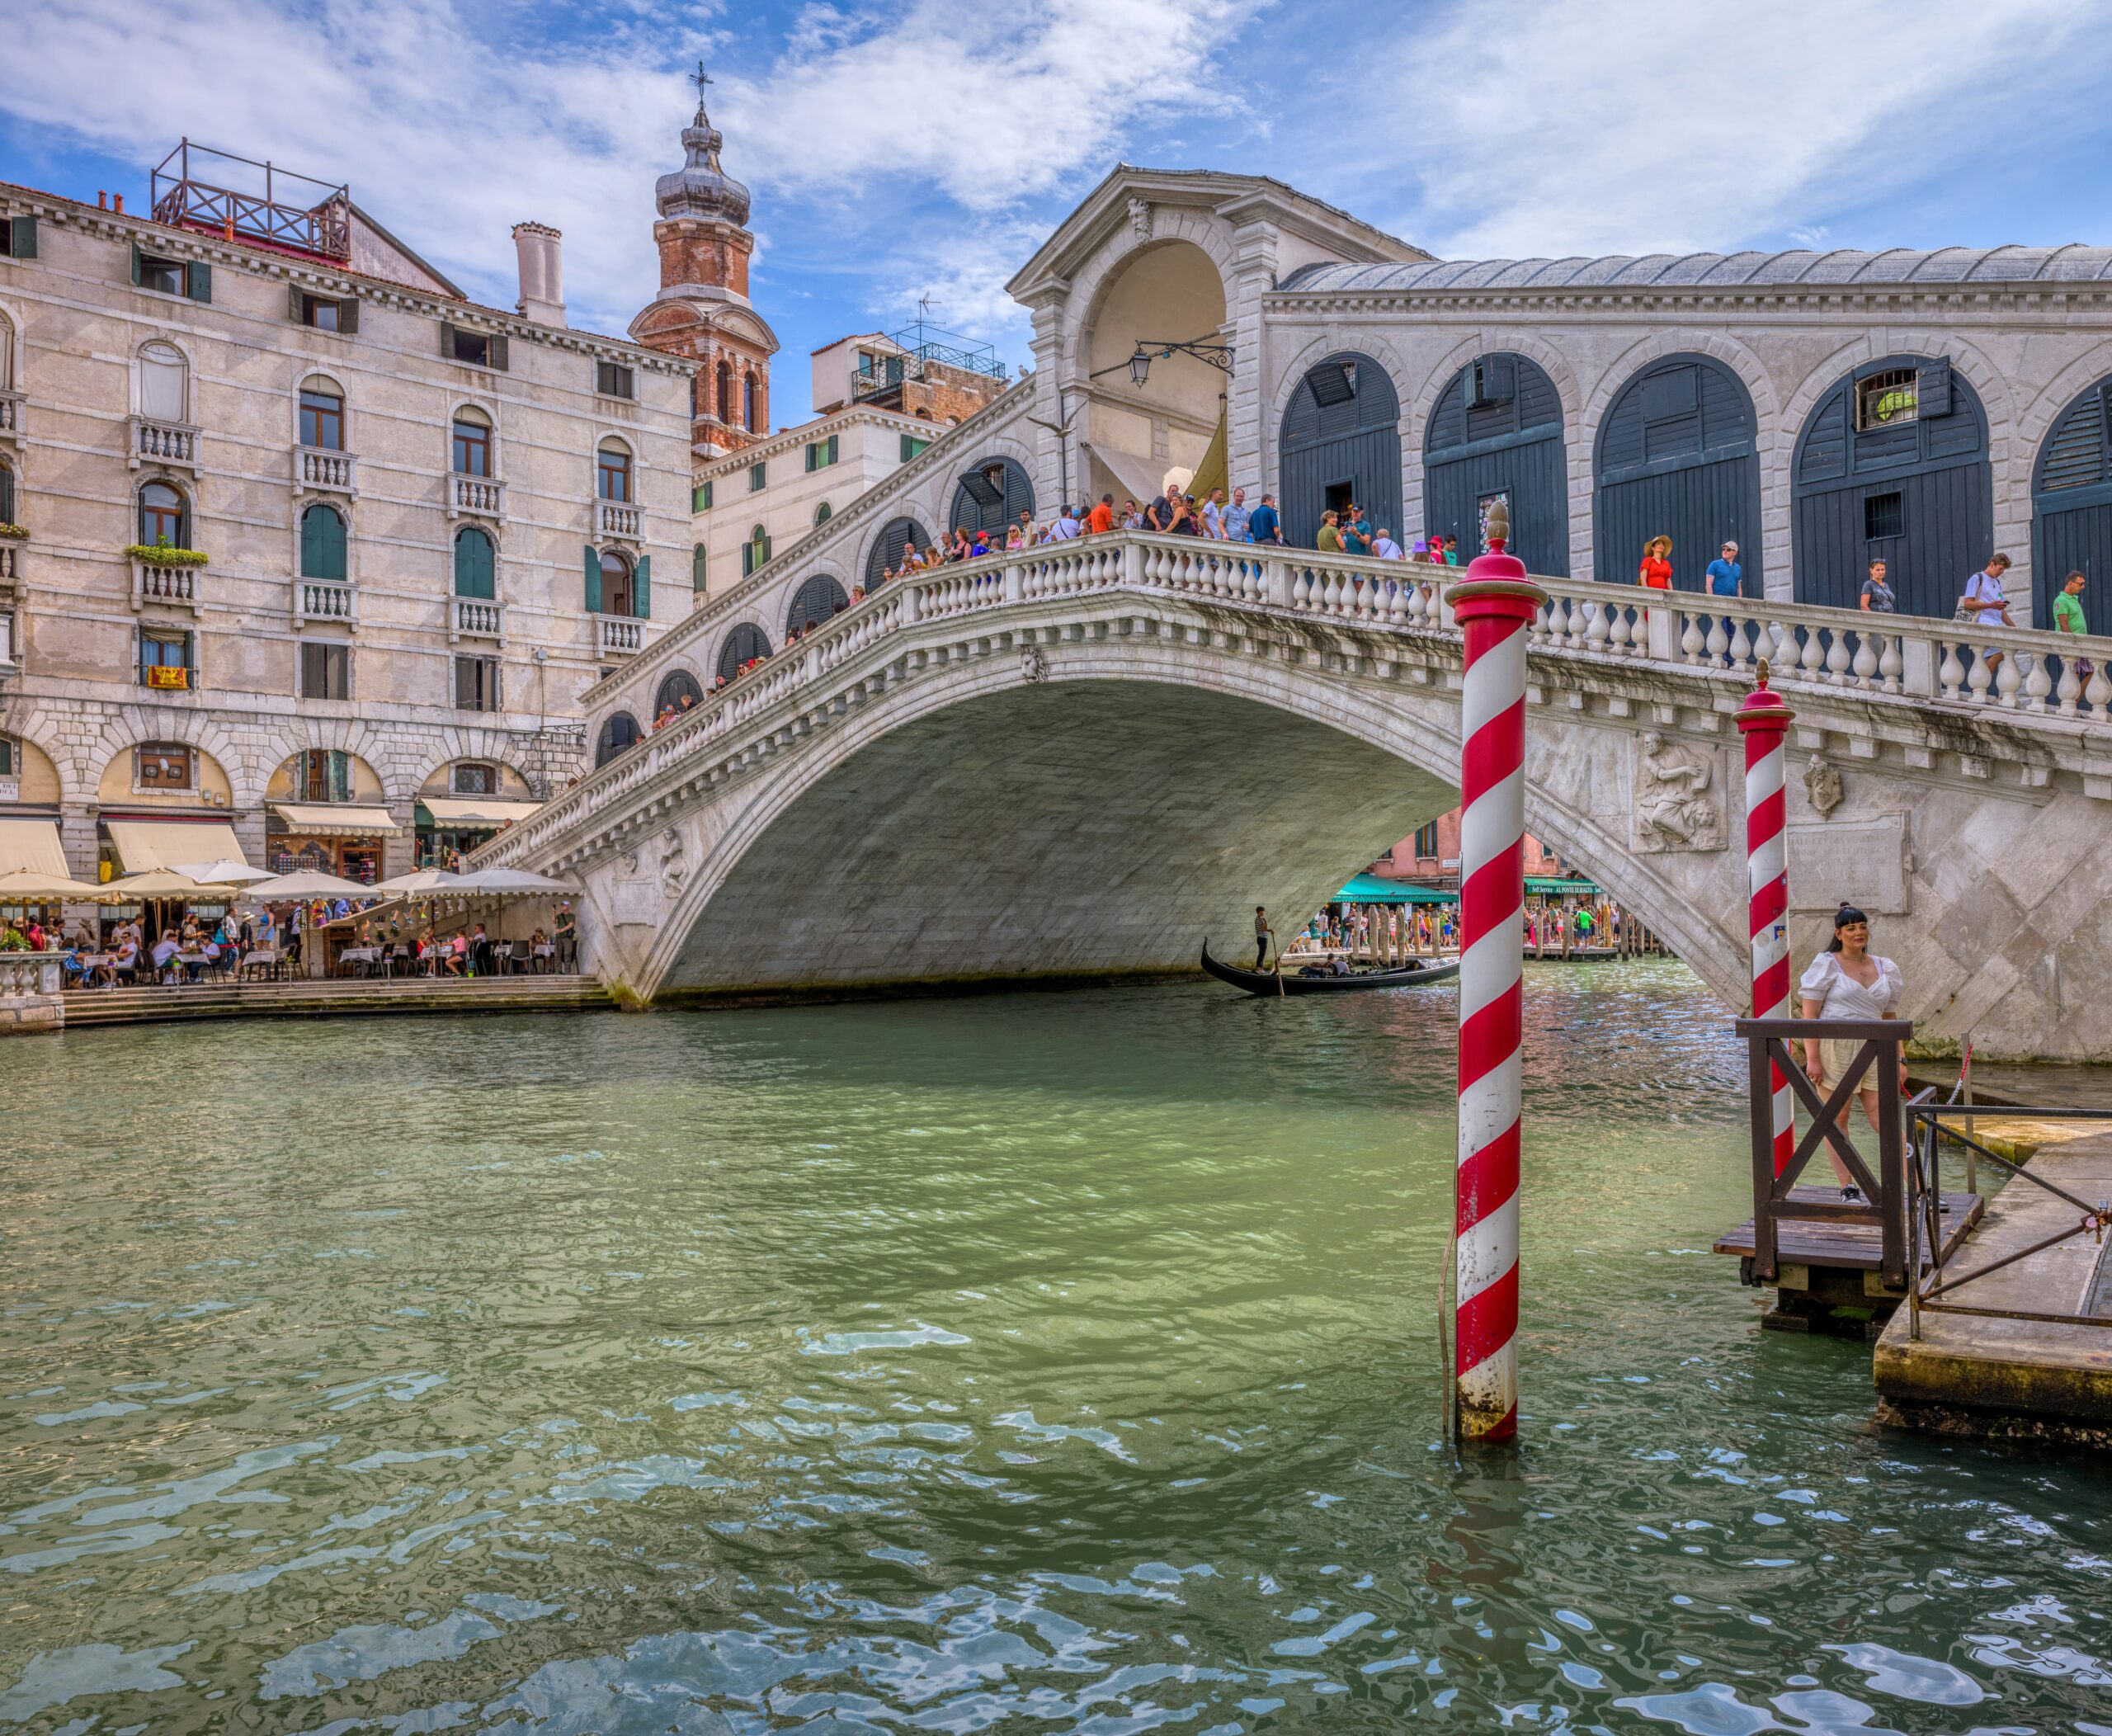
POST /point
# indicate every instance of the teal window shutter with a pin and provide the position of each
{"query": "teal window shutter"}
(135, 261)
(832, 449)
(593, 571)
(474, 577)
(21, 237)
(8, 516)
(696, 559)
(198, 280)
(641, 588)
(747, 559)
(322, 543)
(813, 455)
(340, 775)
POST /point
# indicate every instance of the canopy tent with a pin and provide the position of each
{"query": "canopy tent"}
(510, 883)
(475, 810)
(31, 886)
(31, 847)
(336, 819)
(143, 845)
(306, 883)
(1143, 477)
(165, 882)
(1368, 889)
(227, 872)
(1560, 889)
(421, 882)
(1210, 471)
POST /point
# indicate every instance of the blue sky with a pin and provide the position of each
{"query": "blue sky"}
(901, 147)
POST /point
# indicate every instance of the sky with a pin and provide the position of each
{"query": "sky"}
(900, 148)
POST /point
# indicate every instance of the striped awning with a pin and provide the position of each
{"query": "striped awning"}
(335, 820)
(475, 810)
(31, 846)
(145, 844)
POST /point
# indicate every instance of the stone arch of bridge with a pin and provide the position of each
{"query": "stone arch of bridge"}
(985, 826)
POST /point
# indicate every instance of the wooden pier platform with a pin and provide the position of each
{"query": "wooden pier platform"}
(2001, 1373)
(1830, 1278)
(157, 1003)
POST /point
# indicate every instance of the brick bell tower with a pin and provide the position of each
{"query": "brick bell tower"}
(702, 310)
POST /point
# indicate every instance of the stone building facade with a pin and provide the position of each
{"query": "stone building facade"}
(307, 530)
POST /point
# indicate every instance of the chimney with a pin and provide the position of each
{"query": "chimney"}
(542, 273)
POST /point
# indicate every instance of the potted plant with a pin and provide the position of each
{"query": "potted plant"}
(13, 533)
(164, 553)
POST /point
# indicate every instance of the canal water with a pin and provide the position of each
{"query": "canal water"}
(1051, 1362)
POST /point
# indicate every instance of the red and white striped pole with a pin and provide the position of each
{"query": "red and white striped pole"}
(1492, 605)
(1764, 720)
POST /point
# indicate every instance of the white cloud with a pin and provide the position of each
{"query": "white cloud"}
(1677, 124)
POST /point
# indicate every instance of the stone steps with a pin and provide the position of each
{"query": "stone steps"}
(155, 1004)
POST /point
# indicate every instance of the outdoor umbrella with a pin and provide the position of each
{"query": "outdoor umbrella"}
(306, 883)
(226, 871)
(26, 886)
(161, 883)
(500, 883)
(421, 882)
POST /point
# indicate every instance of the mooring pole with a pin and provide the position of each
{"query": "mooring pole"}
(1764, 720)
(1492, 605)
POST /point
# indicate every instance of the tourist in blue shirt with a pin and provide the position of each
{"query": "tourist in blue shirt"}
(1725, 576)
(1263, 525)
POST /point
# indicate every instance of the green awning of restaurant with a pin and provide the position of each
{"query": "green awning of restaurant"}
(1368, 889)
(1573, 889)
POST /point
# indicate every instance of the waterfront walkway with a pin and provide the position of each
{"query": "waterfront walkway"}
(157, 1003)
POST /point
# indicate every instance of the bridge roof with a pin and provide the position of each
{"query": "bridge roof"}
(2073, 263)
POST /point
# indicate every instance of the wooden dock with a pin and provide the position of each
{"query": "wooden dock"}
(1830, 1275)
(304, 998)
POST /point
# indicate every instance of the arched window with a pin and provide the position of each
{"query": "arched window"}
(725, 392)
(2071, 501)
(1677, 457)
(472, 455)
(898, 537)
(749, 402)
(745, 643)
(1342, 445)
(990, 496)
(612, 471)
(618, 733)
(616, 584)
(322, 543)
(476, 565)
(322, 415)
(164, 383)
(680, 690)
(755, 552)
(163, 516)
(697, 569)
(822, 513)
(814, 602)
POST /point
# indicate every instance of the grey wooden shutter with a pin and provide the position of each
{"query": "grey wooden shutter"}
(198, 280)
(697, 569)
(1932, 388)
(593, 575)
(296, 305)
(641, 590)
(21, 237)
(498, 351)
(135, 261)
(348, 314)
(447, 339)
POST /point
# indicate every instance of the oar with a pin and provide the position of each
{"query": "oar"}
(1281, 991)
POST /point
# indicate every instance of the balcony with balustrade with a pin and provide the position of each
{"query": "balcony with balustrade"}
(471, 617)
(616, 521)
(475, 497)
(173, 444)
(618, 635)
(158, 587)
(327, 601)
(323, 470)
(14, 409)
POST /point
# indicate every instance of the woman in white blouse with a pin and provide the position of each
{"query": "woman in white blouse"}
(1847, 981)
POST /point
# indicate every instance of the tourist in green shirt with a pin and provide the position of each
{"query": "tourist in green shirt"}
(2067, 608)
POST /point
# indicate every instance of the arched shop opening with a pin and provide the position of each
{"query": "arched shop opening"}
(1149, 401)
(1893, 465)
(744, 643)
(466, 803)
(2072, 504)
(990, 496)
(324, 810)
(1342, 446)
(1678, 456)
(1495, 436)
(677, 690)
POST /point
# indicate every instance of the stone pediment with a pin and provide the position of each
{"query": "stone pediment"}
(680, 315)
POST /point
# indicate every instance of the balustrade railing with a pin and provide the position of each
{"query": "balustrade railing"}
(319, 467)
(325, 600)
(615, 519)
(163, 442)
(472, 618)
(25, 974)
(617, 636)
(173, 586)
(11, 409)
(1929, 661)
(479, 496)
(10, 565)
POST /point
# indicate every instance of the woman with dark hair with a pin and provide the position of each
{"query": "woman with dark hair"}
(1848, 981)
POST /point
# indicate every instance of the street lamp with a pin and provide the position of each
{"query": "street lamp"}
(1150, 350)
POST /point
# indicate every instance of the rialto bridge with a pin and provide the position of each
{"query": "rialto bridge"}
(1080, 763)
(1084, 762)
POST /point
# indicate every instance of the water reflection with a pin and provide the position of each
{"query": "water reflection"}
(1059, 1362)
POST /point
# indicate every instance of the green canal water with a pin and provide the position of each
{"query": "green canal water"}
(1055, 1362)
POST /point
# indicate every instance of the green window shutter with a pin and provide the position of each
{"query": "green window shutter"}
(766, 551)
(641, 589)
(198, 280)
(135, 261)
(696, 565)
(21, 237)
(447, 339)
(747, 559)
(7, 514)
(348, 315)
(832, 448)
(498, 352)
(700, 496)
(340, 775)
(322, 543)
(811, 455)
(593, 572)
(473, 565)
(707, 497)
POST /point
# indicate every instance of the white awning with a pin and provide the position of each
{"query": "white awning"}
(32, 846)
(475, 810)
(335, 820)
(144, 844)
(1143, 477)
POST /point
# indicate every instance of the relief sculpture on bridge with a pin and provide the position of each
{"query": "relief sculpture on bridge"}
(1675, 808)
(1822, 785)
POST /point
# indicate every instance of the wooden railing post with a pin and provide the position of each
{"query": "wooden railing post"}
(1891, 1166)
(1760, 1094)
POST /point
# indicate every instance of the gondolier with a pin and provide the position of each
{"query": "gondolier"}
(1276, 986)
(1263, 934)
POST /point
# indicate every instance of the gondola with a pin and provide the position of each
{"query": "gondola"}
(1410, 975)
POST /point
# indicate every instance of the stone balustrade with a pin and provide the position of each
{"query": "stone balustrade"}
(325, 600)
(613, 518)
(7, 640)
(330, 472)
(154, 442)
(168, 587)
(471, 617)
(619, 635)
(13, 407)
(478, 497)
(29, 998)
(11, 565)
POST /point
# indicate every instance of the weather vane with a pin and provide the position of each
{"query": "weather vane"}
(700, 79)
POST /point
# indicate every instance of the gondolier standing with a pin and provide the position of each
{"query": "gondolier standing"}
(1263, 934)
